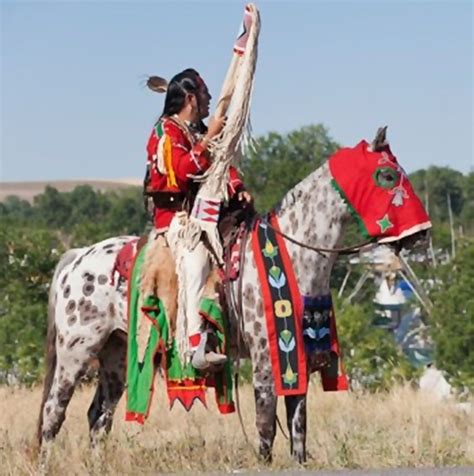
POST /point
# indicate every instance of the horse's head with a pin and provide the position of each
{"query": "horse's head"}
(378, 193)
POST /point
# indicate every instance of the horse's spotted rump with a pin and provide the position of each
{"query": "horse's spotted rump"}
(88, 313)
(74, 341)
(88, 289)
(71, 320)
(71, 306)
(88, 276)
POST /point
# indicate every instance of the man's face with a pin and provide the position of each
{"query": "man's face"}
(204, 99)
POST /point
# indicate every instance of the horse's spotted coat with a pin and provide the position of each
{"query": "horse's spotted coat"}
(90, 316)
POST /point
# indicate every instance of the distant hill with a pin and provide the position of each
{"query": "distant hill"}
(28, 190)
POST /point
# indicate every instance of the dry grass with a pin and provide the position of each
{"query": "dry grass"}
(28, 190)
(347, 430)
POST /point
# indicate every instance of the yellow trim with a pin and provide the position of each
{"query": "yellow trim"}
(168, 156)
(191, 387)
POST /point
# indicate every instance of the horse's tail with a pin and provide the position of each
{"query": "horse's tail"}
(50, 358)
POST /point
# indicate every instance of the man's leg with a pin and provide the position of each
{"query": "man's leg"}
(193, 267)
(196, 264)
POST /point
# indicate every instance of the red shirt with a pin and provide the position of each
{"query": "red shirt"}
(188, 158)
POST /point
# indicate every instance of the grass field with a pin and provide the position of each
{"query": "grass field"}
(348, 430)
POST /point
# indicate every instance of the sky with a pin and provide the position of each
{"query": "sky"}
(74, 105)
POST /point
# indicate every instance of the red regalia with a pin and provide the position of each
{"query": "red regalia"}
(174, 157)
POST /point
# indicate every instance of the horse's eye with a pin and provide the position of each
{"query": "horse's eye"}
(386, 177)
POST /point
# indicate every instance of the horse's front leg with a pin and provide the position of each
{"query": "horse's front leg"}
(296, 420)
(265, 407)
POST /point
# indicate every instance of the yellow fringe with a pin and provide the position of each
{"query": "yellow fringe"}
(168, 156)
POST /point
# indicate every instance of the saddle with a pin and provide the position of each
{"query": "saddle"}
(235, 222)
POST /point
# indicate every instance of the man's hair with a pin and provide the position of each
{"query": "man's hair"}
(183, 83)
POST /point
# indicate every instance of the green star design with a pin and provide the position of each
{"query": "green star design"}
(384, 224)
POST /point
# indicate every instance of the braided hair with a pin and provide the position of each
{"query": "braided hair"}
(186, 82)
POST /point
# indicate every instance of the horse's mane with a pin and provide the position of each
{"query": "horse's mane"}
(295, 193)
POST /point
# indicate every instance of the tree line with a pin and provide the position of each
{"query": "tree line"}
(34, 235)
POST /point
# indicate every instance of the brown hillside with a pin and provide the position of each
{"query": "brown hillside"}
(28, 190)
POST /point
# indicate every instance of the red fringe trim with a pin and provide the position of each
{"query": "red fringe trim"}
(186, 392)
(226, 408)
(134, 416)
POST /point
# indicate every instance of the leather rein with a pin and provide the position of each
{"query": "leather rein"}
(345, 250)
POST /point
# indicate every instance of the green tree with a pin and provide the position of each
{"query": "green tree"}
(279, 162)
(371, 355)
(16, 209)
(87, 205)
(52, 208)
(127, 212)
(437, 182)
(27, 260)
(467, 214)
(452, 320)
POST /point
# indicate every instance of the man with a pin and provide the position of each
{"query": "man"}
(177, 153)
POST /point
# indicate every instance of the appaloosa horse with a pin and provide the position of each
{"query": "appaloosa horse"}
(88, 314)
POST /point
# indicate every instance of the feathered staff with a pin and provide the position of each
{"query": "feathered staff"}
(234, 101)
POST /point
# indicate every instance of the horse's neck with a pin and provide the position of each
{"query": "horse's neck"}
(314, 214)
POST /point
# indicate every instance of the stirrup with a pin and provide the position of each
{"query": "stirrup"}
(202, 360)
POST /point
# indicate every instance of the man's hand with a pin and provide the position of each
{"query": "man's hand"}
(215, 126)
(245, 196)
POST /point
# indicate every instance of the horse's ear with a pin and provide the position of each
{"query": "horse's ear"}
(157, 84)
(380, 140)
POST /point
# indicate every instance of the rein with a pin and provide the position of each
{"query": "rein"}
(345, 250)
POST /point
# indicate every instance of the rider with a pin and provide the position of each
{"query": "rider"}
(178, 152)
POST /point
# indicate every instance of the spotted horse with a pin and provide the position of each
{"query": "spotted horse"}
(88, 313)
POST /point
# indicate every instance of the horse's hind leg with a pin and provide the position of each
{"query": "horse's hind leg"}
(67, 373)
(296, 420)
(110, 387)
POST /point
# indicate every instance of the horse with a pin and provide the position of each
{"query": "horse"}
(87, 314)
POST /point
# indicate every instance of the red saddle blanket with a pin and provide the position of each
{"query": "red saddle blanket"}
(124, 261)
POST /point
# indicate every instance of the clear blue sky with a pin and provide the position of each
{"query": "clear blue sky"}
(73, 103)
